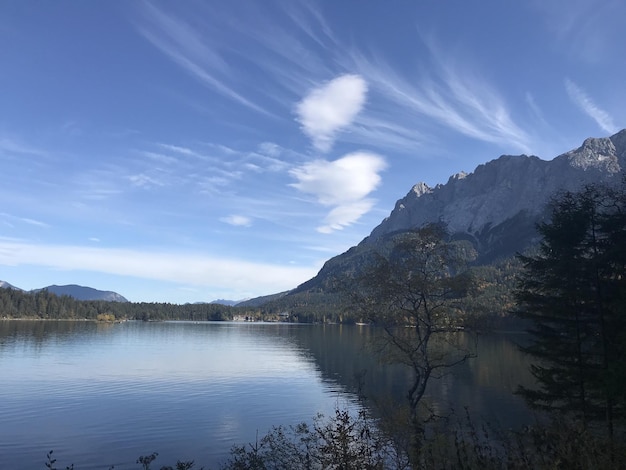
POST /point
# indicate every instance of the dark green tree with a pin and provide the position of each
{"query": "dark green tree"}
(574, 293)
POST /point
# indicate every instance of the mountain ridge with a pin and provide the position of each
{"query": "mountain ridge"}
(6, 285)
(496, 207)
(501, 189)
(75, 291)
(85, 293)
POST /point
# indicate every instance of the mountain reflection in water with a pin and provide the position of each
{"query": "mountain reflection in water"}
(103, 394)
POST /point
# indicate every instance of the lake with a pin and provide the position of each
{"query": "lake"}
(104, 394)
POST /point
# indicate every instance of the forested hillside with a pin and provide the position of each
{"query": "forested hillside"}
(487, 306)
(45, 305)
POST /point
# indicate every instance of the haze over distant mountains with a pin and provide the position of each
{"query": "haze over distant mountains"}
(6, 285)
(75, 291)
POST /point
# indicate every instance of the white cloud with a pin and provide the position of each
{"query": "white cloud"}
(343, 183)
(178, 149)
(582, 100)
(270, 149)
(328, 109)
(345, 214)
(181, 268)
(237, 220)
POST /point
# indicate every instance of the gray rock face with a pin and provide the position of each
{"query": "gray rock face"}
(506, 189)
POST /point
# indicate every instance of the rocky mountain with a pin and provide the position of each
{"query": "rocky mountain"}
(496, 206)
(505, 194)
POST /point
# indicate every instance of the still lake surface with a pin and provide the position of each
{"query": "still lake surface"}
(104, 394)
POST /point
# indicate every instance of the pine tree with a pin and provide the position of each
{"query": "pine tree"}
(573, 291)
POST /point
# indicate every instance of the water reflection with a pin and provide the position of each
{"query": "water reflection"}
(484, 385)
(110, 392)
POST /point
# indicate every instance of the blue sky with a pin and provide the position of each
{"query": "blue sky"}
(189, 151)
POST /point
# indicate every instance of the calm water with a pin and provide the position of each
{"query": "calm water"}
(102, 395)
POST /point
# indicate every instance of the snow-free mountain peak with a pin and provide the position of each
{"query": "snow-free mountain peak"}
(85, 293)
(75, 291)
(6, 285)
(509, 187)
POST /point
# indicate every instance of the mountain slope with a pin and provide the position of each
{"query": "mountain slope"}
(509, 191)
(496, 207)
(85, 293)
(6, 285)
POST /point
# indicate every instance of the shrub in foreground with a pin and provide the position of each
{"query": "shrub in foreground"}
(348, 441)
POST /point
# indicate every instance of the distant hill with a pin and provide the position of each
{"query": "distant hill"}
(75, 291)
(230, 303)
(258, 301)
(6, 285)
(84, 293)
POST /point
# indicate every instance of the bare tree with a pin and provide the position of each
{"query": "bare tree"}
(412, 290)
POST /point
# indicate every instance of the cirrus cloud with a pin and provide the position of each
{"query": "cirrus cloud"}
(587, 105)
(343, 183)
(328, 109)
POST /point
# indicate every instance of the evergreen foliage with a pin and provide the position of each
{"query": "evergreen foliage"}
(574, 293)
(47, 306)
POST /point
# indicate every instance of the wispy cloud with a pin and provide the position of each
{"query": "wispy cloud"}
(328, 109)
(445, 91)
(343, 183)
(290, 47)
(159, 157)
(589, 30)
(144, 181)
(24, 220)
(345, 214)
(584, 102)
(534, 108)
(12, 146)
(179, 149)
(285, 43)
(269, 149)
(237, 220)
(181, 268)
(188, 48)
(386, 132)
